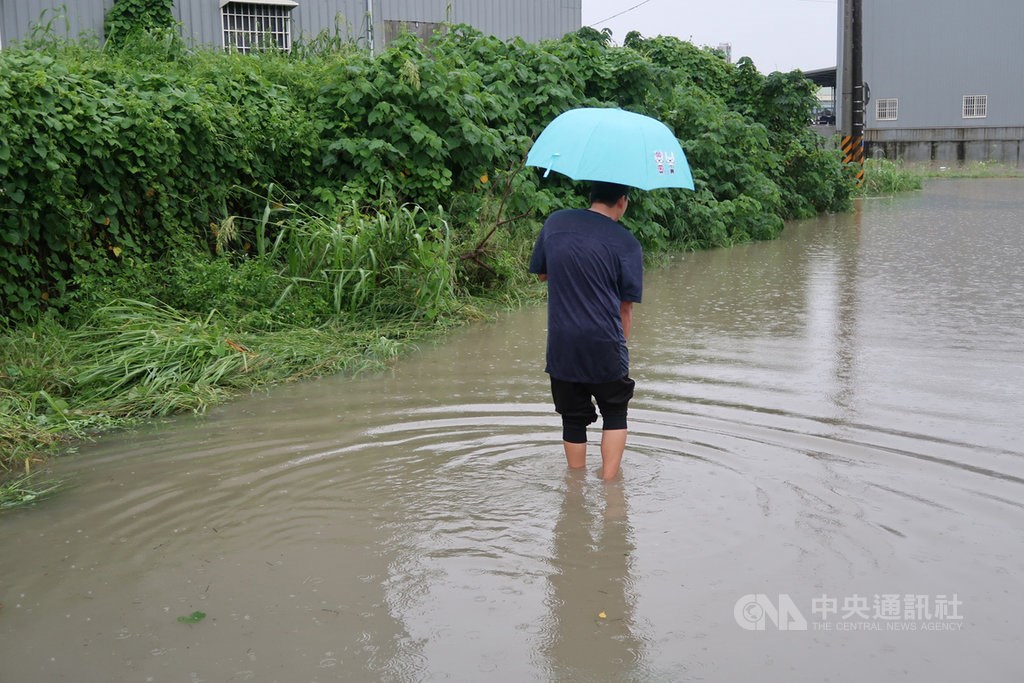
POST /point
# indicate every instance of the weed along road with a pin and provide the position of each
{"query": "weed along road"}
(823, 482)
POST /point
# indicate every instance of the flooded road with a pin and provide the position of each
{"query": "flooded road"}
(824, 482)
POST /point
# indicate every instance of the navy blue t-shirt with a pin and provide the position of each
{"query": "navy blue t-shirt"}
(593, 264)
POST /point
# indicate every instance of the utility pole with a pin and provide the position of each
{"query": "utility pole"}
(853, 86)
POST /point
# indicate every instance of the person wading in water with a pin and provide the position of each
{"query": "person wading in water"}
(593, 267)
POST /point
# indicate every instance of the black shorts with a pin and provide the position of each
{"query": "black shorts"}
(574, 401)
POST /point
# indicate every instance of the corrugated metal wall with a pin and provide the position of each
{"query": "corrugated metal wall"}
(532, 19)
(66, 19)
(339, 18)
(200, 21)
(929, 54)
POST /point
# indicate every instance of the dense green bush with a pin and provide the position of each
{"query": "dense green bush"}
(127, 18)
(111, 158)
(104, 164)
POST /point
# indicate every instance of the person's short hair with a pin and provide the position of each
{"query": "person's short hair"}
(607, 193)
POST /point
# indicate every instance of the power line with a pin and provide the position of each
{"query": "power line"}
(625, 11)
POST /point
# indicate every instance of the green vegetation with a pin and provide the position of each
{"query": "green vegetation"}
(977, 169)
(193, 618)
(884, 177)
(128, 19)
(177, 226)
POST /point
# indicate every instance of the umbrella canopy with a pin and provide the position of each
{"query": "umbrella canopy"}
(612, 145)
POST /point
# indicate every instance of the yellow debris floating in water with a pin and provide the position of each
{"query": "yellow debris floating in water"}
(602, 615)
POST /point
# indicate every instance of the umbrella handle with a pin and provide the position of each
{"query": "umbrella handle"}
(547, 171)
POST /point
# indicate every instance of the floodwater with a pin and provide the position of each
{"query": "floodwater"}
(824, 482)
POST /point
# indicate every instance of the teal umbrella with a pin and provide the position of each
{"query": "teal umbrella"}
(612, 145)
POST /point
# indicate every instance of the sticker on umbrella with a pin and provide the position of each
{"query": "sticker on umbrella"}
(663, 159)
(612, 145)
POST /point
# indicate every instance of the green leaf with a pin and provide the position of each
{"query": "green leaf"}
(193, 618)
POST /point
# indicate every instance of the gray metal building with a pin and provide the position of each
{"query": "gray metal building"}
(224, 22)
(945, 79)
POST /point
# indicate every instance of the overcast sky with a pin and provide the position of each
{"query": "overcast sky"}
(779, 35)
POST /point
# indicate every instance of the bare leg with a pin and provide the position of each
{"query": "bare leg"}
(575, 454)
(613, 443)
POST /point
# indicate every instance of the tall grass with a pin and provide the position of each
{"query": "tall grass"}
(386, 263)
(34, 413)
(24, 489)
(143, 358)
(884, 177)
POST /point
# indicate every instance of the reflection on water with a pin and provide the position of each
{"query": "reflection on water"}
(590, 634)
(833, 416)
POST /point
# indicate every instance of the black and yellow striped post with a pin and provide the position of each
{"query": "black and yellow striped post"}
(853, 153)
(854, 103)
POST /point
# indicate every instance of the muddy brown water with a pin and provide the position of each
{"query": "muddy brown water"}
(824, 482)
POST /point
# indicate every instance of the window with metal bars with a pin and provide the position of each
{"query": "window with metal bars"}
(975, 106)
(259, 25)
(887, 109)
